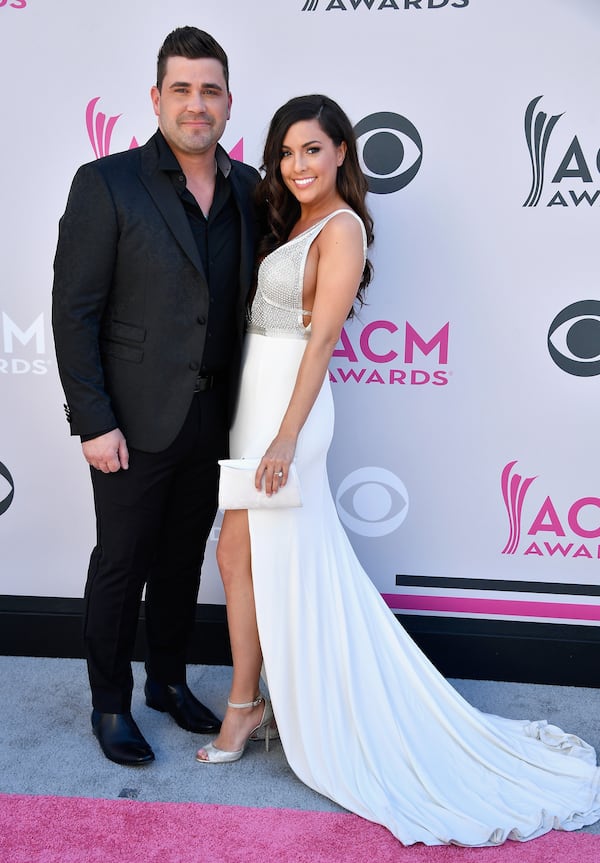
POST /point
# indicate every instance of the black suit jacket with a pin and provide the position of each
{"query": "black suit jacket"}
(130, 298)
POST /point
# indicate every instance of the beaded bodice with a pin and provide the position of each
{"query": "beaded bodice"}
(277, 306)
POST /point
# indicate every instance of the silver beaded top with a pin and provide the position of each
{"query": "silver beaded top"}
(277, 306)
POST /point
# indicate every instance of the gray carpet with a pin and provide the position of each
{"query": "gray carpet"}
(46, 745)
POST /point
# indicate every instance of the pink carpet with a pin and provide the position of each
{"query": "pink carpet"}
(78, 830)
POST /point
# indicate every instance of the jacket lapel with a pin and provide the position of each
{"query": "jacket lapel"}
(167, 201)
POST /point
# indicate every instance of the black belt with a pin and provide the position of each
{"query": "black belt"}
(205, 382)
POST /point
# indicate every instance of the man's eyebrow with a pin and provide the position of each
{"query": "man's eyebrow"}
(207, 85)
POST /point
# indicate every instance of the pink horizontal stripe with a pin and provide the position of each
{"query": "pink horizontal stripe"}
(510, 607)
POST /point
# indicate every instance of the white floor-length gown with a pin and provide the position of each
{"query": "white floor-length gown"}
(364, 717)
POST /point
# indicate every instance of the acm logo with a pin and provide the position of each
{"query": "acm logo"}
(548, 528)
(382, 353)
(574, 167)
(22, 348)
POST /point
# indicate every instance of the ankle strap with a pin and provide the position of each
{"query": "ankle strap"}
(254, 703)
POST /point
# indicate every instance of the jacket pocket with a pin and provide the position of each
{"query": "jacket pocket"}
(117, 338)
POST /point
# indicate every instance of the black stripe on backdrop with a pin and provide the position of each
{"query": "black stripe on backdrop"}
(497, 585)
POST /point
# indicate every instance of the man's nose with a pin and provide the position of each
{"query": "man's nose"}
(196, 102)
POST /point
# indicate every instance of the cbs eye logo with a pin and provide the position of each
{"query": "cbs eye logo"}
(390, 151)
(6, 498)
(574, 339)
(372, 501)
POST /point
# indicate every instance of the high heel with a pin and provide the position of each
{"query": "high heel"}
(220, 756)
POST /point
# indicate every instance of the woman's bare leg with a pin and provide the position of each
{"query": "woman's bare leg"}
(233, 558)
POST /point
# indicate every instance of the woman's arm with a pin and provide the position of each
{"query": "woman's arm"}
(340, 263)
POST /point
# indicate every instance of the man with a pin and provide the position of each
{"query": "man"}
(152, 271)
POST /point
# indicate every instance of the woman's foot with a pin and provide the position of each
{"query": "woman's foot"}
(241, 721)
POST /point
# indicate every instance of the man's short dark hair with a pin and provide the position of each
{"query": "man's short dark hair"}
(194, 44)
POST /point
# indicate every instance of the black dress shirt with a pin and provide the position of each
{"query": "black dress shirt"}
(218, 240)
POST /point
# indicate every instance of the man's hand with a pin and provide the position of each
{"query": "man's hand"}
(108, 452)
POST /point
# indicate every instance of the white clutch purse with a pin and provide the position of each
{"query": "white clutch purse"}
(237, 489)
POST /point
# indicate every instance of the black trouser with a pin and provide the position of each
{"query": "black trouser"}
(153, 521)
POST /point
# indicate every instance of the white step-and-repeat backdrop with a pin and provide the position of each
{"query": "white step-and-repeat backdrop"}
(465, 465)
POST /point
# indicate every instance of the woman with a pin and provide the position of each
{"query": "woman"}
(363, 716)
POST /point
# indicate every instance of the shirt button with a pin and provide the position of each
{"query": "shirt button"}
(201, 319)
(194, 366)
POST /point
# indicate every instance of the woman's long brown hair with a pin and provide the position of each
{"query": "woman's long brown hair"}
(278, 208)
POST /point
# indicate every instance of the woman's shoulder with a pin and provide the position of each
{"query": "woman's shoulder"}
(343, 224)
(344, 215)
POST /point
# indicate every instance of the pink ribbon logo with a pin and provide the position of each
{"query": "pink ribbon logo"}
(514, 489)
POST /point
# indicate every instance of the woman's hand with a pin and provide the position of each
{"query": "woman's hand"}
(275, 464)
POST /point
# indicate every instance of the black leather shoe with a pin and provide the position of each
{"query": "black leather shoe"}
(120, 739)
(178, 700)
